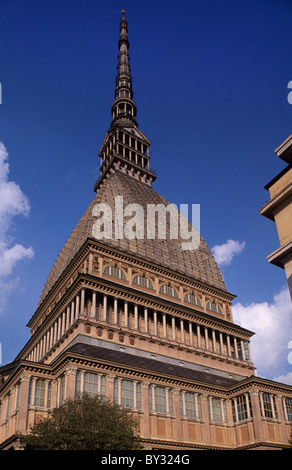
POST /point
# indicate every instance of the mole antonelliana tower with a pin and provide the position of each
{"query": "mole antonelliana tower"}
(141, 320)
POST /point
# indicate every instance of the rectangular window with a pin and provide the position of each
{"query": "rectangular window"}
(102, 385)
(127, 393)
(49, 394)
(239, 351)
(138, 396)
(39, 399)
(266, 405)
(287, 405)
(90, 383)
(190, 405)
(217, 410)
(37, 393)
(62, 390)
(17, 402)
(30, 392)
(160, 400)
(275, 407)
(77, 384)
(246, 351)
(8, 402)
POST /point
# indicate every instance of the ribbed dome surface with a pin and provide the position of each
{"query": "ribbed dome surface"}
(198, 264)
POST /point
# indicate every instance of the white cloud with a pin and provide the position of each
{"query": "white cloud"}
(13, 202)
(224, 254)
(286, 379)
(272, 325)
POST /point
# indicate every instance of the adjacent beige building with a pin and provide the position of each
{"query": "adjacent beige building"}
(279, 210)
(141, 321)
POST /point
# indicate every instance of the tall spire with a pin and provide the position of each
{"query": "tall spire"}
(125, 148)
(124, 109)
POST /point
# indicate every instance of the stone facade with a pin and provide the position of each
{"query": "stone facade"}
(279, 210)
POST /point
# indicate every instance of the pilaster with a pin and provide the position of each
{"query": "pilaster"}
(21, 423)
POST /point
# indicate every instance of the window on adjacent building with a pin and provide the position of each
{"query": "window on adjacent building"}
(115, 272)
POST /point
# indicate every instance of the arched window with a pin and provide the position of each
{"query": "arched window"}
(214, 307)
(192, 299)
(115, 272)
(143, 281)
(39, 393)
(168, 290)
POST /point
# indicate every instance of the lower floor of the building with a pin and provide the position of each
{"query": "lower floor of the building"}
(176, 408)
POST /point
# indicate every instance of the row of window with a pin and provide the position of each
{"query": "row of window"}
(143, 281)
(127, 393)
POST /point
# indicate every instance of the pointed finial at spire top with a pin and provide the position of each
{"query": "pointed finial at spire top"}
(123, 12)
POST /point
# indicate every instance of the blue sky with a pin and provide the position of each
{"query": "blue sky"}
(210, 81)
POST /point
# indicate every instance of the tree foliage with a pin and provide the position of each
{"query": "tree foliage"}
(85, 423)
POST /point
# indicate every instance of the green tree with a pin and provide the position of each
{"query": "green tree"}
(85, 423)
